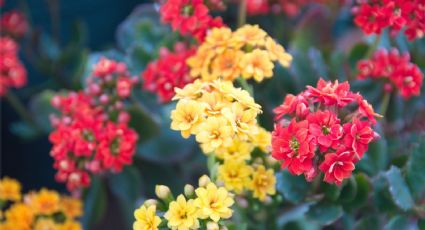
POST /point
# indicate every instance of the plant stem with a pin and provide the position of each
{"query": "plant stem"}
(373, 46)
(244, 84)
(242, 13)
(21, 110)
(384, 104)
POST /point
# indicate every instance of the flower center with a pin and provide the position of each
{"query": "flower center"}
(326, 130)
(294, 144)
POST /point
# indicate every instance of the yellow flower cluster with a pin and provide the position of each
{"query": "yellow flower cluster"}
(37, 210)
(195, 209)
(248, 52)
(217, 113)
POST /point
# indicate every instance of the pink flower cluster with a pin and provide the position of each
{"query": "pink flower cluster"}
(91, 134)
(373, 16)
(169, 71)
(12, 72)
(189, 17)
(14, 23)
(326, 128)
(395, 69)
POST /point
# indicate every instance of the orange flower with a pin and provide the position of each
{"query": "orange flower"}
(10, 189)
(257, 65)
(71, 207)
(226, 65)
(44, 202)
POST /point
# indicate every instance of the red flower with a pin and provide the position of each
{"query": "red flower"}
(325, 127)
(12, 72)
(365, 110)
(189, 17)
(116, 146)
(293, 105)
(14, 23)
(358, 135)
(408, 80)
(294, 146)
(337, 166)
(169, 71)
(255, 7)
(328, 93)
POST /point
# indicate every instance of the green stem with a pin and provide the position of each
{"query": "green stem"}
(373, 46)
(21, 110)
(244, 84)
(384, 104)
(242, 13)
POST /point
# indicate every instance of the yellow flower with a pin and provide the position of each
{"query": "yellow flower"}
(187, 115)
(10, 189)
(200, 62)
(45, 202)
(263, 182)
(251, 35)
(70, 225)
(214, 133)
(45, 224)
(243, 120)
(257, 64)
(71, 207)
(146, 218)
(235, 175)
(277, 52)
(262, 139)
(190, 91)
(238, 151)
(226, 65)
(20, 214)
(237, 94)
(217, 39)
(213, 102)
(182, 214)
(214, 202)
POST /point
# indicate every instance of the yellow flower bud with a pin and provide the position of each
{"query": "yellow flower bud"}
(162, 192)
(212, 226)
(189, 190)
(204, 180)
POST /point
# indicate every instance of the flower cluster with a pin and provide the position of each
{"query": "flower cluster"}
(12, 71)
(204, 207)
(216, 112)
(44, 209)
(395, 69)
(329, 129)
(169, 71)
(290, 8)
(189, 17)
(374, 16)
(91, 134)
(248, 52)
(14, 23)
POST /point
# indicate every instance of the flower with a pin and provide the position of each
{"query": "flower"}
(226, 65)
(256, 7)
(329, 93)
(213, 202)
(294, 146)
(146, 218)
(292, 105)
(12, 72)
(358, 135)
(238, 151)
(182, 214)
(10, 189)
(20, 213)
(337, 166)
(326, 128)
(45, 223)
(250, 35)
(256, 65)
(243, 120)
(263, 182)
(262, 139)
(214, 133)
(186, 117)
(71, 207)
(14, 23)
(45, 202)
(70, 225)
(235, 175)
(277, 52)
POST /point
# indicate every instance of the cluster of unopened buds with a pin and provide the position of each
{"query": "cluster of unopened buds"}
(43, 209)
(206, 207)
(248, 52)
(170, 70)
(12, 72)
(374, 16)
(395, 69)
(189, 17)
(91, 134)
(326, 128)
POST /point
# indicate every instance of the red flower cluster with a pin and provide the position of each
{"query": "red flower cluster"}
(12, 71)
(91, 134)
(291, 8)
(169, 71)
(373, 16)
(329, 130)
(189, 17)
(396, 69)
(14, 23)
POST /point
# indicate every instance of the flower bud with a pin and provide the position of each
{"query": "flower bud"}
(212, 226)
(162, 192)
(150, 202)
(189, 190)
(204, 180)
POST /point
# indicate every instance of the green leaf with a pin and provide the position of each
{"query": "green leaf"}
(325, 213)
(293, 213)
(421, 224)
(293, 188)
(234, 226)
(40, 107)
(95, 202)
(127, 187)
(368, 222)
(358, 52)
(23, 130)
(397, 223)
(138, 58)
(349, 190)
(146, 124)
(399, 189)
(362, 195)
(415, 173)
(332, 191)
